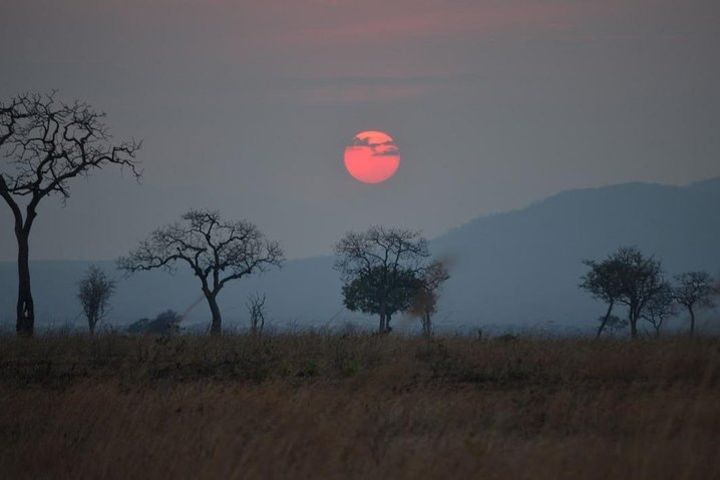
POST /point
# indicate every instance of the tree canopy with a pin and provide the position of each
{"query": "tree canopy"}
(627, 277)
(381, 268)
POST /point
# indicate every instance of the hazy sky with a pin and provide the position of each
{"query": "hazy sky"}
(246, 106)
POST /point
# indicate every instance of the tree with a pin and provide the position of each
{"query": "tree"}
(94, 292)
(368, 293)
(627, 277)
(379, 267)
(45, 144)
(217, 251)
(693, 290)
(660, 308)
(424, 302)
(642, 279)
(256, 308)
(603, 281)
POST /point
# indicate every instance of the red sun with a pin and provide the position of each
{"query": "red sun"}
(372, 157)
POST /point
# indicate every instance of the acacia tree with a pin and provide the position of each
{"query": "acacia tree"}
(629, 278)
(642, 280)
(217, 251)
(379, 267)
(693, 290)
(660, 308)
(94, 292)
(44, 144)
(368, 293)
(603, 281)
(424, 302)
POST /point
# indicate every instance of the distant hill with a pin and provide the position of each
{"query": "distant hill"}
(524, 266)
(516, 269)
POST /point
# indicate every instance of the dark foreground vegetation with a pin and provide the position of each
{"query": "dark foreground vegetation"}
(350, 406)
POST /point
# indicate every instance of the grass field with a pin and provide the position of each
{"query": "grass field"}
(332, 406)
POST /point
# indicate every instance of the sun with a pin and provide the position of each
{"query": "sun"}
(372, 157)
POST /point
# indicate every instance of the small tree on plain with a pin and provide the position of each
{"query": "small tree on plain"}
(424, 302)
(369, 293)
(256, 309)
(46, 144)
(94, 292)
(694, 290)
(633, 280)
(378, 267)
(217, 251)
(660, 308)
(604, 282)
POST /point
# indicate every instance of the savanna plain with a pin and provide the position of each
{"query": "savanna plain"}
(315, 405)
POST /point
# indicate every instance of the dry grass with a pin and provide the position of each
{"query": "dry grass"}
(324, 406)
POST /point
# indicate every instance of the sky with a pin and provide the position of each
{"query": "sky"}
(247, 107)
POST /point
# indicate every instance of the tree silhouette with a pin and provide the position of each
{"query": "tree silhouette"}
(377, 292)
(424, 302)
(604, 282)
(94, 292)
(377, 266)
(255, 306)
(45, 144)
(626, 277)
(660, 308)
(217, 251)
(693, 290)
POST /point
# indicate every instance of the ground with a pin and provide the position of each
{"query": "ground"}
(356, 406)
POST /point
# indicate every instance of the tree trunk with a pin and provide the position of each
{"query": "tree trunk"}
(25, 322)
(384, 319)
(216, 325)
(25, 308)
(692, 320)
(605, 319)
(427, 325)
(387, 323)
(633, 323)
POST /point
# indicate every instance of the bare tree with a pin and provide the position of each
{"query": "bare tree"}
(424, 303)
(256, 308)
(660, 308)
(45, 144)
(94, 292)
(382, 259)
(217, 252)
(694, 290)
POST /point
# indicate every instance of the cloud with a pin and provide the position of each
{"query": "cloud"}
(391, 152)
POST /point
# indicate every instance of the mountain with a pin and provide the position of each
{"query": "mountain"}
(524, 266)
(518, 269)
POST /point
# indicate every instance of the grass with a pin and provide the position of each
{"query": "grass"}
(355, 406)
